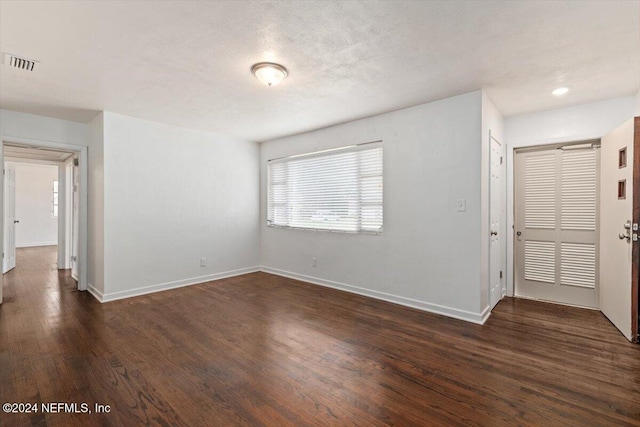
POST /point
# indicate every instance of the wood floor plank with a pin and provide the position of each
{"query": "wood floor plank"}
(260, 349)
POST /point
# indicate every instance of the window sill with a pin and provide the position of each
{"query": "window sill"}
(284, 227)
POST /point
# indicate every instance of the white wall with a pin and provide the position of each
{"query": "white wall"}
(576, 123)
(96, 206)
(34, 205)
(429, 254)
(582, 122)
(171, 197)
(30, 126)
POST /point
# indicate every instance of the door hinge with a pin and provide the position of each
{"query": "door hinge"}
(501, 274)
(500, 159)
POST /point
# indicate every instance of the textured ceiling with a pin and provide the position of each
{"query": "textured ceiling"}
(187, 63)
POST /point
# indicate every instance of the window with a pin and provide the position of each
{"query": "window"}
(336, 190)
(55, 199)
(622, 158)
(622, 189)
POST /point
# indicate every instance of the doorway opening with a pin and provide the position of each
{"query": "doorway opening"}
(40, 204)
(45, 206)
(576, 229)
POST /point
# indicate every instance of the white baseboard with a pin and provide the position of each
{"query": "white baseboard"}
(96, 293)
(485, 315)
(478, 318)
(35, 244)
(113, 296)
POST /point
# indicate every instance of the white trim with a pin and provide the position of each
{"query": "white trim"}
(346, 149)
(566, 304)
(478, 318)
(35, 244)
(510, 235)
(168, 285)
(68, 213)
(485, 314)
(328, 230)
(62, 223)
(2, 216)
(96, 293)
(32, 162)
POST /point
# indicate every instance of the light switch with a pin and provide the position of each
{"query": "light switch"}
(462, 205)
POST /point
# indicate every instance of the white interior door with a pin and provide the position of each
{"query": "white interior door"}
(68, 217)
(76, 223)
(556, 224)
(616, 212)
(9, 252)
(497, 216)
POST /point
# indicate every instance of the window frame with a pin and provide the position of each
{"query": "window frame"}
(350, 148)
(55, 201)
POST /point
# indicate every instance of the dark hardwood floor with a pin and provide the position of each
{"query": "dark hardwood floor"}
(264, 350)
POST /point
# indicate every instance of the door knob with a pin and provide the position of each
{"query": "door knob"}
(624, 236)
(15, 221)
(494, 233)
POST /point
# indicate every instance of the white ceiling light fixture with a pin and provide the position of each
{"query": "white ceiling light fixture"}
(269, 73)
(560, 91)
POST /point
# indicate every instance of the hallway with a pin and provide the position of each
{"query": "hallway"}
(36, 270)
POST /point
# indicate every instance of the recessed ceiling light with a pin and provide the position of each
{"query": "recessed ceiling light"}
(560, 91)
(269, 73)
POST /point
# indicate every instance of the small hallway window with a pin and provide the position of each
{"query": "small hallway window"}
(55, 199)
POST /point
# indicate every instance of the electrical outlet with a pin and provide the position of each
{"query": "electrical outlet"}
(314, 262)
(203, 262)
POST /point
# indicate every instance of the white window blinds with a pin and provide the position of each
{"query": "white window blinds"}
(337, 190)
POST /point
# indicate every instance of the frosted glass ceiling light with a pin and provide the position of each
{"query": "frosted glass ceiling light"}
(269, 73)
(560, 91)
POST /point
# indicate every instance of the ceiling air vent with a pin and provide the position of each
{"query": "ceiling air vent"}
(19, 62)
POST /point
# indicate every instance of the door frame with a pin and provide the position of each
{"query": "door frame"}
(68, 208)
(503, 220)
(9, 247)
(83, 157)
(512, 218)
(63, 212)
(511, 199)
(635, 249)
(510, 195)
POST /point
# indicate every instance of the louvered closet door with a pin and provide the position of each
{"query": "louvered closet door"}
(556, 225)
